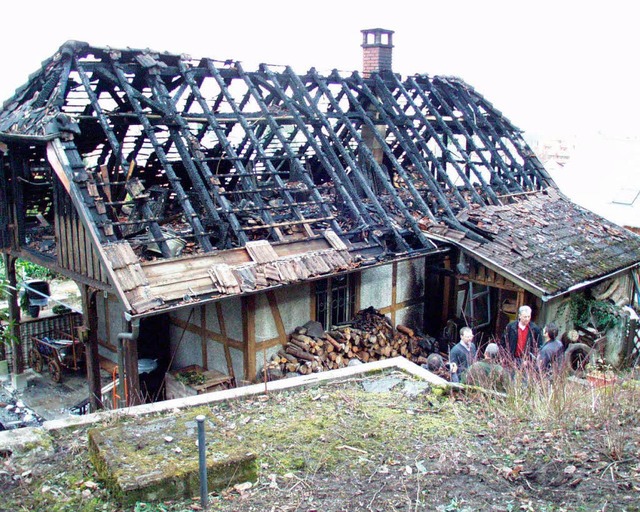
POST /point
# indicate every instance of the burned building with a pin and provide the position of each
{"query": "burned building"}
(205, 210)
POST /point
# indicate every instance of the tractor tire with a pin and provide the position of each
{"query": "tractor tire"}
(578, 356)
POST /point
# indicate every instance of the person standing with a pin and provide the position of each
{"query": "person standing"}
(488, 372)
(551, 354)
(463, 353)
(522, 337)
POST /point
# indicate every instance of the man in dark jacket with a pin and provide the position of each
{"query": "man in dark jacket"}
(463, 353)
(522, 337)
(551, 354)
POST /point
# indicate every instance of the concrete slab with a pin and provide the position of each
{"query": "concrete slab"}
(158, 459)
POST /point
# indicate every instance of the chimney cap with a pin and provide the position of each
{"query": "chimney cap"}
(377, 40)
(381, 30)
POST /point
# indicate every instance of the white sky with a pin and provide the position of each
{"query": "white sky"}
(551, 66)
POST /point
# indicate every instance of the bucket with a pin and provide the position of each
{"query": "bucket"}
(147, 365)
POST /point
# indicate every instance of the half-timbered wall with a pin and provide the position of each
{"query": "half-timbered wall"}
(247, 331)
(210, 336)
(397, 290)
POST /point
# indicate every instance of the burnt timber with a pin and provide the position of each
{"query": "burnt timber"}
(169, 179)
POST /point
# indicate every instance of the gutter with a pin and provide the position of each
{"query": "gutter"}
(130, 337)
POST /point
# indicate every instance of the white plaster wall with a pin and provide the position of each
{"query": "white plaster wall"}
(410, 280)
(102, 320)
(111, 313)
(212, 318)
(412, 316)
(265, 323)
(186, 351)
(191, 315)
(237, 361)
(295, 306)
(375, 287)
(109, 354)
(216, 359)
(232, 312)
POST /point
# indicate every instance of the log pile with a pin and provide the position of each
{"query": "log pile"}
(370, 337)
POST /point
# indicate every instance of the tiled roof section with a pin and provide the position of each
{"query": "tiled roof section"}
(546, 240)
(219, 280)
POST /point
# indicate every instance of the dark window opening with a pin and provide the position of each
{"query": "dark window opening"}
(335, 300)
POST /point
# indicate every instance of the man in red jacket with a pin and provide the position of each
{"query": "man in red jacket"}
(522, 338)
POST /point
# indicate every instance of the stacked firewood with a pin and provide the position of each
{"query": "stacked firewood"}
(370, 337)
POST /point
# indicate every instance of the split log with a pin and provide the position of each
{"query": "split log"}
(300, 354)
(405, 330)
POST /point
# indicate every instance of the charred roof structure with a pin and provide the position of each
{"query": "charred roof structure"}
(172, 178)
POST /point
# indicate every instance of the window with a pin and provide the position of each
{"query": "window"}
(478, 305)
(335, 300)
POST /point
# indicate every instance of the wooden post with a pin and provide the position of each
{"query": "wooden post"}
(17, 362)
(249, 331)
(223, 333)
(394, 288)
(134, 394)
(89, 335)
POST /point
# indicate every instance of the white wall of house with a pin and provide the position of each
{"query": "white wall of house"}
(294, 306)
(375, 287)
(186, 346)
(410, 290)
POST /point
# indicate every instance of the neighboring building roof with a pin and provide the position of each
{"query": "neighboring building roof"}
(614, 164)
(545, 243)
(164, 155)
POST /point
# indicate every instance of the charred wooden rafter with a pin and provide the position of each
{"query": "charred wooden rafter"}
(268, 153)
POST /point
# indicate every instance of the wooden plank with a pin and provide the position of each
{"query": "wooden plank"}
(203, 336)
(261, 251)
(394, 290)
(60, 238)
(82, 248)
(275, 312)
(106, 185)
(75, 240)
(335, 241)
(223, 331)
(249, 335)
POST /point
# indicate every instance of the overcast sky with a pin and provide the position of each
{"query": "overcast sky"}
(551, 67)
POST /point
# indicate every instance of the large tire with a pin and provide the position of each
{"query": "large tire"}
(35, 360)
(578, 356)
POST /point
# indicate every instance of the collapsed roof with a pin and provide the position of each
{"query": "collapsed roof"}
(544, 242)
(166, 155)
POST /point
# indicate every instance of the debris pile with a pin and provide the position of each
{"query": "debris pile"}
(370, 337)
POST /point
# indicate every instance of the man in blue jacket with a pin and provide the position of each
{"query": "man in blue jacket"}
(522, 338)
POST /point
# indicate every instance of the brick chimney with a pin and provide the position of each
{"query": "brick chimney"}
(377, 49)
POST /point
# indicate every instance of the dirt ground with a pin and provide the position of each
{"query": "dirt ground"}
(355, 446)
